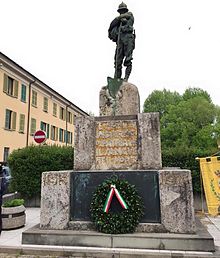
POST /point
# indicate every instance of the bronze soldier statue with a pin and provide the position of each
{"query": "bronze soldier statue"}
(121, 31)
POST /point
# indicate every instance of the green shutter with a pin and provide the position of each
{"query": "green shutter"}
(23, 93)
(5, 86)
(65, 139)
(51, 132)
(42, 125)
(33, 126)
(21, 125)
(48, 131)
(7, 119)
(56, 133)
(71, 138)
(15, 93)
(14, 114)
(60, 135)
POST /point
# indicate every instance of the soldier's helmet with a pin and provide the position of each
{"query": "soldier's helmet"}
(123, 7)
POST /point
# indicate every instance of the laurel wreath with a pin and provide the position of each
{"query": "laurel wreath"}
(122, 222)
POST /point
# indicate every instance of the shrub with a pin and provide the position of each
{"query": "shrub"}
(27, 165)
(13, 203)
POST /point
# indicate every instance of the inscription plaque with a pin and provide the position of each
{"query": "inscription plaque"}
(116, 144)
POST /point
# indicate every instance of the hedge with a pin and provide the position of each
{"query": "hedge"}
(27, 165)
(185, 160)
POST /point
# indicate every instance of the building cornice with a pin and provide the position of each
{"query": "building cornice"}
(6, 62)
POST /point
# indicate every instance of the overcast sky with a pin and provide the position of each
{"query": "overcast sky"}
(65, 44)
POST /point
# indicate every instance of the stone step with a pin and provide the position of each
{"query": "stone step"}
(200, 241)
(61, 252)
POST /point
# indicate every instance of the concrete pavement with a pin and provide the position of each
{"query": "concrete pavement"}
(10, 242)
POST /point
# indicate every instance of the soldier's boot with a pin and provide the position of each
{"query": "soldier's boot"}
(118, 73)
(127, 72)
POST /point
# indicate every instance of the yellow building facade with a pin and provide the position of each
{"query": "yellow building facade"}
(27, 105)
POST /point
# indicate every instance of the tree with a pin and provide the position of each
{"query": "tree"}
(188, 124)
(159, 101)
(196, 92)
(190, 127)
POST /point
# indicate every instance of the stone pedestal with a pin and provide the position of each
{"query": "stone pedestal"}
(176, 200)
(127, 101)
(119, 142)
(55, 200)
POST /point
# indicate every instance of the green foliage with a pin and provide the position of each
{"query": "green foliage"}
(196, 92)
(190, 127)
(159, 101)
(13, 203)
(112, 222)
(27, 165)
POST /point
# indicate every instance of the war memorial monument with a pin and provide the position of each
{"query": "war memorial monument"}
(118, 194)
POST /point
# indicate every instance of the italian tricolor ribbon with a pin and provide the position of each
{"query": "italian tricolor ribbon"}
(110, 196)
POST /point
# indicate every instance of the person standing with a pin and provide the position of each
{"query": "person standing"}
(121, 31)
(2, 191)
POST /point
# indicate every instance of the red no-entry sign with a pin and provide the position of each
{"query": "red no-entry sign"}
(40, 136)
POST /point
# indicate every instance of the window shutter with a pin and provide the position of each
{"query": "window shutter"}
(60, 113)
(45, 104)
(51, 132)
(21, 125)
(5, 86)
(23, 93)
(33, 126)
(60, 135)
(41, 125)
(15, 88)
(7, 119)
(48, 131)
(71, 118)
(56, 133)
(71, 139)
(65, 139)
(14, 114)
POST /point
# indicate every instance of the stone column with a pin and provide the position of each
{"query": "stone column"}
(84, 144)
(149, 146)
(176, 200)
(55, 200)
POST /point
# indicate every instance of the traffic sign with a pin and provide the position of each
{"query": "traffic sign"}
(40, 136)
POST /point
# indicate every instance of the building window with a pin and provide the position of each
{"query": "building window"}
(69, 117)
(10, 119)
(10, 86)
(6, 154)
(61, 135)
(54, 133)
(45, 107)
(34, 98)
(23, 92)
(33, 126)
(54, 109)
(68, 137)
(62, 113)
(46, 128)
(21, 124)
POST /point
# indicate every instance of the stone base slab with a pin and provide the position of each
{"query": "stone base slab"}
(142, 227)
(201, 241)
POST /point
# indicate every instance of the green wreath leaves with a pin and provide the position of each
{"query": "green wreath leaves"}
(123, 222)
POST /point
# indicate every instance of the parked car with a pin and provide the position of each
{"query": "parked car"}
(7, 174)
